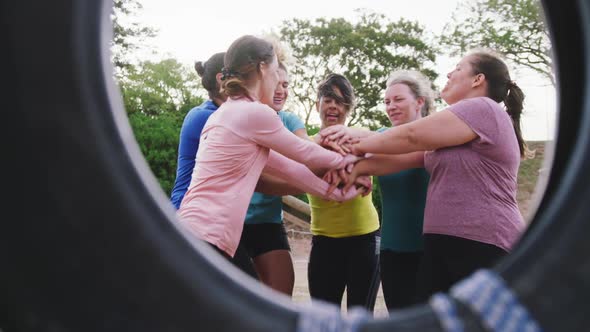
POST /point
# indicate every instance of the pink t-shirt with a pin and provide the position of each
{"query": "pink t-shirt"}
(472, 189)
(233, 151)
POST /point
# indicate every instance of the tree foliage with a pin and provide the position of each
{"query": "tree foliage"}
(157, 96)
(158, 140)
(514, 28)
(365, 52)
(155, 88)
(128, 34)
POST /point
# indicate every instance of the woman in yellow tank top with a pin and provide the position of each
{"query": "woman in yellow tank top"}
(345, 243)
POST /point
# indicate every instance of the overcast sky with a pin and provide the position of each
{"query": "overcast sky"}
(193, 30)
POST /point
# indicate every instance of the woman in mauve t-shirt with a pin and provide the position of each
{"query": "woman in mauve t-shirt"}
(472, 150)
(235, 148)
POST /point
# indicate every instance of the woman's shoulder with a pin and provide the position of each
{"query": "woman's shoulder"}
(483, 106)
(482, 101)
(250, 108)
(246, 107)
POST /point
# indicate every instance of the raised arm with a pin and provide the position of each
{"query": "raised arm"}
(299, 176)
(383, 164)
(272, 185)
(269, 131)
(439, 130)
(341, 133)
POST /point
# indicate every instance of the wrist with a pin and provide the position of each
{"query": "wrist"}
(360, 168)
(357, 149)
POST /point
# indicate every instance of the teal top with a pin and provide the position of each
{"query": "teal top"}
(269, 208)
(403, 198)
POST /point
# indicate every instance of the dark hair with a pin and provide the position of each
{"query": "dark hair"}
(326, 89)
(501, 88)
(208, 72)
(242, 60)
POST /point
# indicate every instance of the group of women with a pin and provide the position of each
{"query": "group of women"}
(447, 180)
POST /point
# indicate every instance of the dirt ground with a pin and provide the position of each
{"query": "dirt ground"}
(300, 246)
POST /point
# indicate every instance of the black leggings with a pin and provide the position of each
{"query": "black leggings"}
(448, 259)
(339, 263)
(398, 277)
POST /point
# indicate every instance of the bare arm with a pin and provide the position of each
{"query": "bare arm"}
(383, 164)
(439, 130)
(341, 133)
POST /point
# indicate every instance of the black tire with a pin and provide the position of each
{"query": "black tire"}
(88, 241)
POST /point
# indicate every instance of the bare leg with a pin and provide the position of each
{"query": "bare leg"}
(275, 269)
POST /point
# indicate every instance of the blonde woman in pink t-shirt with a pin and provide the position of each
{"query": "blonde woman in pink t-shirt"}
(242, 139)
(472, 150)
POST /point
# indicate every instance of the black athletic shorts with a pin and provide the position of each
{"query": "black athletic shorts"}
(258, 239)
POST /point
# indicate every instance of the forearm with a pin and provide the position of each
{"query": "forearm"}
(299, 176)
(360, 132)
(383, 164)
(398, 140)
(342, 133)
(439, 130)
(302, 151)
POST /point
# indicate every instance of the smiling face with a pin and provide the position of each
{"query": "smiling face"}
(282, 91)
(269, 78)
(332, 110)
(461, 82)
(401, 105)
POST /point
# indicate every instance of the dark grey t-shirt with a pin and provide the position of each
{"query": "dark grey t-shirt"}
(472, 189)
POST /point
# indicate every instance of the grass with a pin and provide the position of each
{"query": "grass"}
(528, 175)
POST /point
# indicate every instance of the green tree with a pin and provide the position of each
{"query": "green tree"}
(157, 96)
(128, 34)
(514, 28)
(365, 52)
(154, 88)
(158, 139)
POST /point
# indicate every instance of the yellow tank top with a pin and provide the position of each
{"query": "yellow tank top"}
(357, 216)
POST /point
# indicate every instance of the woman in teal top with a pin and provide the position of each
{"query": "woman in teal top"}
(264, 236)
(408, 97)
(403, 197)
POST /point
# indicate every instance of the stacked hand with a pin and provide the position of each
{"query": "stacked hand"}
(337, 138)
(346, 177)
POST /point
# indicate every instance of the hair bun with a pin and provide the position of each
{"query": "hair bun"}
(200, 68)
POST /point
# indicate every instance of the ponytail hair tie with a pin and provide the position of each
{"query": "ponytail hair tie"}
(227, 74)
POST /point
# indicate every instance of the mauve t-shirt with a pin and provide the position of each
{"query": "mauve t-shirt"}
(472, 188)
